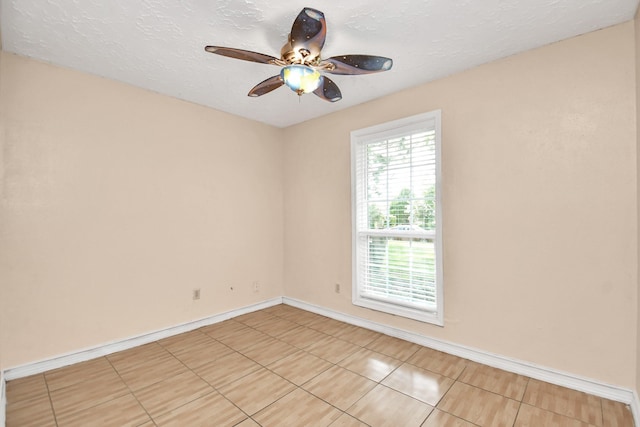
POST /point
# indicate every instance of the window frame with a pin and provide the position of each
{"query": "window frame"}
(384, 131)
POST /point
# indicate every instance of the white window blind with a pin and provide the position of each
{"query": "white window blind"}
(396, 209)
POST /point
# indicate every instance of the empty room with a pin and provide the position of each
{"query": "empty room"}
(367, 213)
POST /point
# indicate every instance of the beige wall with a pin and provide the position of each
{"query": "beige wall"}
(539, 158)
(117, 202)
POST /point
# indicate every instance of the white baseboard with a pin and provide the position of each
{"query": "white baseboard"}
(635, 408)
(505, 363)
(113, 347)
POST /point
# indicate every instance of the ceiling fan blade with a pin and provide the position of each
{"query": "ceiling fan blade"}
(328, 90)
(266, 86)
(308, 33)
(357, 64)
(245, 55)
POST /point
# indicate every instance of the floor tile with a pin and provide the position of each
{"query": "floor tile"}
(357, 335)
(438, 362)
(172, 393)
(255, 318)
(346, 420)
(340, 387)
(384, 407)
(151, 371)
(86, 394)
(27, 388)
(370, 364)
(302, 337)
(34, 412)
(210, 410)
(298, 408)
(120, 412)
(439, 418)
(269, 351)
(616, 414)
(244, 339)
(530, 416)
(256, 390)
(394, 347)
(202, 353)
(332, 349)
(299, 367)
(495, 380)
(479, 406)
(248, 423)
(564, 401)
(285, 311)
(276, 327)
(129, 359)
(328, 326)
(419, 383)
(281, 310)
(226, 369)
(304, 318)
(224, 329)
(182, 342)
(69, 375)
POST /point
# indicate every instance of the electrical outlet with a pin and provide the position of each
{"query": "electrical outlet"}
(256, 286)
(337, 288)
(196, 294)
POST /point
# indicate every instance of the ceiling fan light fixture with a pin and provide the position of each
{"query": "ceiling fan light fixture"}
(300, 78)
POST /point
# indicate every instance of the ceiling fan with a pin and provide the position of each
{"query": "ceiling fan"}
(301, 61)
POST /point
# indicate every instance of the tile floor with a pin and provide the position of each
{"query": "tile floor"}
(287, 367)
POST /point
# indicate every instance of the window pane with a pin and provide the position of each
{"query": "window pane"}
(402, 269)
(401, 172)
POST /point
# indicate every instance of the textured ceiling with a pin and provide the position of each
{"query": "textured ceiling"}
(159, 44)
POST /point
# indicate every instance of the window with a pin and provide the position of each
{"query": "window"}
(397, 238)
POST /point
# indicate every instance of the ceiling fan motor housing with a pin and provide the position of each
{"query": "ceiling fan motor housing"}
(306, 38)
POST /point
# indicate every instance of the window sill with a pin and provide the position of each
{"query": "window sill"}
(411, 313)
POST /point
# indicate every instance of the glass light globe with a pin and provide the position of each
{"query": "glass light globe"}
(300, 78)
